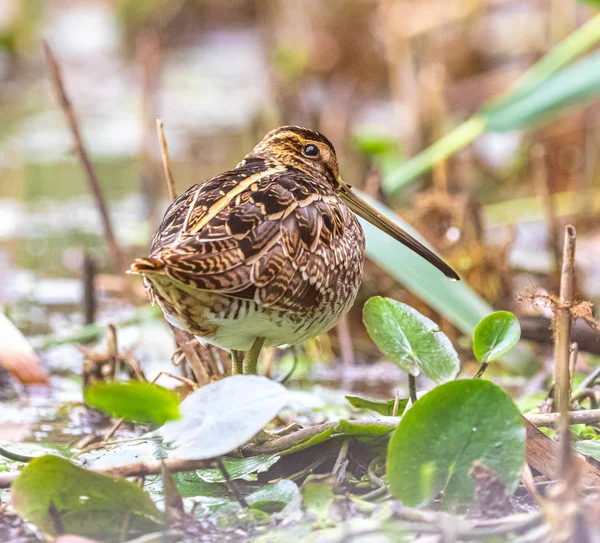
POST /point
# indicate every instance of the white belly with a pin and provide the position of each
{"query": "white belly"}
(239, 333)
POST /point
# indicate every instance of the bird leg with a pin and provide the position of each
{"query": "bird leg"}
(236, 362)
(250, 364)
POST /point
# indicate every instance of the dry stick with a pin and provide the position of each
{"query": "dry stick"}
(542, 182)
(86, 163)
(139, 469)
(231, 484)
(89, 290)
(181, 337)
(562, 347)
(164, 151)
(589, 416)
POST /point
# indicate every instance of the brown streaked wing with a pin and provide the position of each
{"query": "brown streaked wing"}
(261, 245)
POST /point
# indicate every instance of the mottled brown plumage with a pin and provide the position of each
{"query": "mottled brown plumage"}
(269, 249)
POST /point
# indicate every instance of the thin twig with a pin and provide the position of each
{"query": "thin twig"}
(231, 484)
(164, 151)
(542, 182)
(562, 346)
(412, 388)
(86, 163)
(139, 469)
(589, 416)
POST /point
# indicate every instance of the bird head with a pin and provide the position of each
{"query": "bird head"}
(311, 152)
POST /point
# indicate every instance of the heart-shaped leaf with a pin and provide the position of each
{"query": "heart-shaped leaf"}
(135, 401)
(222, 416)
(448, 429)
(495, 335)
(83, 502)
(410, 340)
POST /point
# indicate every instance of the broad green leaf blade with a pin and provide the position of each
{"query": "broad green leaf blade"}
(135, 401)
(573, 85)
(88, 504)
(410, 340)
(373, 429)
(495, 335)
(448, 429)
(446, 146)
(272, 498)
(222, 416)
(385, 408)
(455, 301)
(590, 447)
(238, 467)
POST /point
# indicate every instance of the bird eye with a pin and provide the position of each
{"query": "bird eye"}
(311, 151)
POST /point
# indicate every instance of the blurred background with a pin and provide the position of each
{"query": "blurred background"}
(383, 79)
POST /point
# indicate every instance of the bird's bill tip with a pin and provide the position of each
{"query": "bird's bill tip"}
(380, 221)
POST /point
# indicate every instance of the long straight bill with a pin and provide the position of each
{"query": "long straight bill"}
(369, 213)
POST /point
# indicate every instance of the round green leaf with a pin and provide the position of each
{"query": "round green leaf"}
(449, 428)
(88, 504)
(410, 340)
(134, 401)
(495, 335)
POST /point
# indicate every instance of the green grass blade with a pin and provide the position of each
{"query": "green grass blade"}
(573, 85)
(539, 74)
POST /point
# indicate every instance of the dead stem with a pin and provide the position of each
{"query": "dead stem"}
(589, 416)
(164, 151)
(563, 345)
(542, 184)
(86, 163)
(235, 491)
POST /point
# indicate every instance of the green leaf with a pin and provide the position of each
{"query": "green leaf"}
(317, 499)
(272, 498)
(518, 107)
(410, 340)
(135, 401)
(222, 416)
(238, 467)
(372, 429)
(448, 429)
(573, 85)
(591, 447)
(455, 301)
(495, 335)
(385, 408)
(325, 435)
(87, 503)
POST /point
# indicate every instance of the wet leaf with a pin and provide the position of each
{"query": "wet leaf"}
(591, 447)
(385, 408)
(238, 467)
(311, 442)
(410, 340)
(448, 429)
(222, 416)
(273, 497)
(317, 498)
(87, 503)
(135, 401)
(495, 335)
(373, 429)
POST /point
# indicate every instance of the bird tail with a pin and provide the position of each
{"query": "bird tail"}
(146, 265)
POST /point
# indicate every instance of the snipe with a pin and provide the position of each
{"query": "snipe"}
(269, 253)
